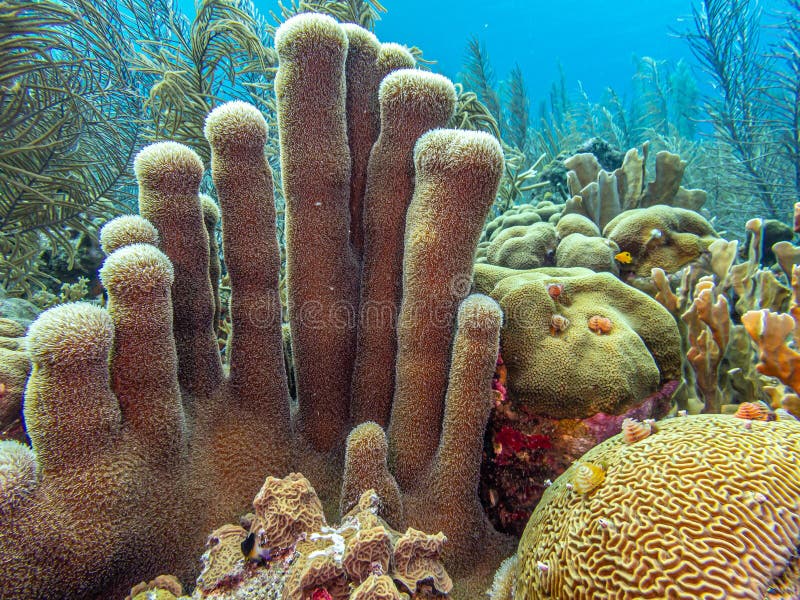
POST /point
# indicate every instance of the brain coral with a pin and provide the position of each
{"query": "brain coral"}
(660, 236)
(577, 372)
(705, 507)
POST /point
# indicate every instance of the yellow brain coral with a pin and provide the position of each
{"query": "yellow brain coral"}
(704, 507)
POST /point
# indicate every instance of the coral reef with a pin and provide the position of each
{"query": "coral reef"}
(144, 440)
(602, 195)
(525, 451)
(727, 500)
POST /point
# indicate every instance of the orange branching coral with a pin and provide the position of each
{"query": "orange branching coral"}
(600, 325)
(709, 325)
(771, 330)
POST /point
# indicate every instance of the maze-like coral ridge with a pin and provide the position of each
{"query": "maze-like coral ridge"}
(705, 507)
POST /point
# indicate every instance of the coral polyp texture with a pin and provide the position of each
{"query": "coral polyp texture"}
(704, 507)
(361, 557)
(15, 365)
(664, 237)
(145, 439)
(619, 346)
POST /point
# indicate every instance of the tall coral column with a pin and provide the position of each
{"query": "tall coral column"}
(237, 133)
(169, 178)
(412, 102)
(457, 174)
(368, 62)
(321, 267)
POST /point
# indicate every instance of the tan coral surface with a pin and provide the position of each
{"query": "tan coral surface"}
(572, 371)
(705, 507)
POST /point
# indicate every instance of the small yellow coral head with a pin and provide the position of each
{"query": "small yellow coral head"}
(588, 477)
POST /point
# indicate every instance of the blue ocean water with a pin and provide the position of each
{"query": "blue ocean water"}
(594, 42)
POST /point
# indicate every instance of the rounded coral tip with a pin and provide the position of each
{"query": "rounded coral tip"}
(169, 167)
(309, 31)
(71, 334)
(479, 313)
(368, 440)
(358, 34)
(394, 56)
(412, 90)
(211, 212)
(18, 474)
(137, 269)
(453, 150)
(236, 124)
(126, 230)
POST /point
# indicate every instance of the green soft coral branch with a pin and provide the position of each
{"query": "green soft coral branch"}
(66, 106)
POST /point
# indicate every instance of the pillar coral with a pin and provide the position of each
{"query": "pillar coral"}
(143, 440)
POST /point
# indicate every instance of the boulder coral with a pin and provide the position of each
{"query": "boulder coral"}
(682, 513)
(145, 440)
(620, 345)
(595, 253)
(664, 237)
(523, 247)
